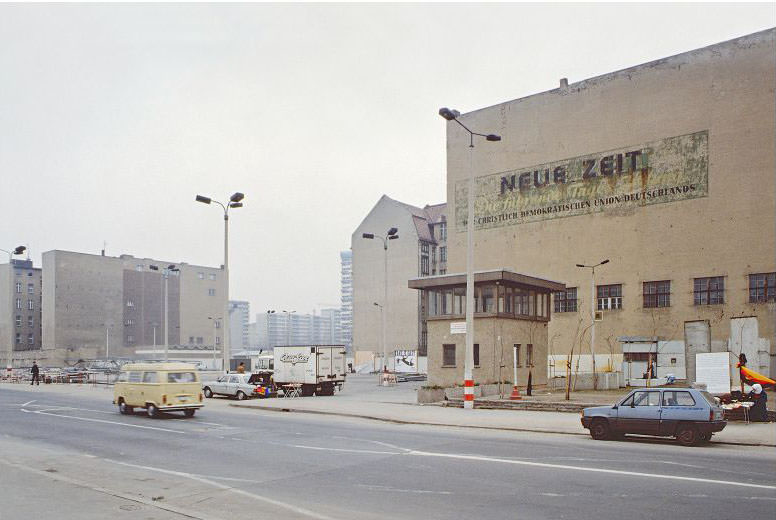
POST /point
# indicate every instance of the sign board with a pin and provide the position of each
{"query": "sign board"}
(458, 327)
(713, 369)
(405, 361)
(623, 179)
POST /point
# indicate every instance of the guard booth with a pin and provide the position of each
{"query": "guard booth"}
(511, 314)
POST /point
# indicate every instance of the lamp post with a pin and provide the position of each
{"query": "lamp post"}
(166, 319)
(234, 202)
(452, 115)
(592, 314)
(18, 250)
(382, 328)
(391, 234)
(215, 332)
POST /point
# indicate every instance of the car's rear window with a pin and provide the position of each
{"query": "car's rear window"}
(709, 398)
(181, 377)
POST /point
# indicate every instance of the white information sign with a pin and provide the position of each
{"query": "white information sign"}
(406, 361)
(458, 327)
(713, 369)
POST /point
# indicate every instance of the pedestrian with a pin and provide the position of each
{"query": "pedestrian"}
(35, 371)
(241, 368)
(758, 412)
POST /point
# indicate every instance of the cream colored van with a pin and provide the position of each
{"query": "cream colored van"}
(158, 387)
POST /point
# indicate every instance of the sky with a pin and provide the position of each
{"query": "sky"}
(113, 117)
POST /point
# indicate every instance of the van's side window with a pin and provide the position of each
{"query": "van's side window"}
(181, 377)
(122, 377)
(134, 377)
(150, 377)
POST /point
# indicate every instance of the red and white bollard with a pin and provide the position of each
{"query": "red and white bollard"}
(468, 393)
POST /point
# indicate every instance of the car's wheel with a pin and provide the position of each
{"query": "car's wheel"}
(600, 430)
(189, 412)
(124, 409)
(208, 392)
(152, 410)
(241, 395)
(688, 435)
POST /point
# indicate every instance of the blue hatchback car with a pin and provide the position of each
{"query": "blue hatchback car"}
(690, 415)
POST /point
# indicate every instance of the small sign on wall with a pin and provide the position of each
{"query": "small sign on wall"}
(458, 327)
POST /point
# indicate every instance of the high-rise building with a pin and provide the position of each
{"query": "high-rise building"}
(346, 290)
(290, 328)
(239, 317)
(20, 313)
(96, 306)
(420, 250)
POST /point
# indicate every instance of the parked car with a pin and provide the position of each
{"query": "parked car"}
(158, 387)
(688, 414)
(240, 386)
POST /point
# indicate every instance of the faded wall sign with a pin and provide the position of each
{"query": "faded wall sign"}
(672, 169)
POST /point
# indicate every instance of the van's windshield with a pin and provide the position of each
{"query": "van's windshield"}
(181, 377)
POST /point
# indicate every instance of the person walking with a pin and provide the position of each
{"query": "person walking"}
(35, 371)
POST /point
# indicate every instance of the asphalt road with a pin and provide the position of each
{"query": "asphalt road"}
(78, 457)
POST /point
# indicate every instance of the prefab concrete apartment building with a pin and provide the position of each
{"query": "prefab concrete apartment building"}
(665, 169)
(97, 306)
(20, 311)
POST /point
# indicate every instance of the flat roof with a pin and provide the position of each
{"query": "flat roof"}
(495, 275)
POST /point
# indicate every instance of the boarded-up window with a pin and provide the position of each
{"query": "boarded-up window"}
(448, 355)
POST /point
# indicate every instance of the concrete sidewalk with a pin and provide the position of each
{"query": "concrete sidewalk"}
(754, 434)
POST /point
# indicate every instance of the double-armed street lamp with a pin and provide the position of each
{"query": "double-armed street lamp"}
(166, 276)
(391, 234)
(453, 115)
(592, 313)
(235, 201)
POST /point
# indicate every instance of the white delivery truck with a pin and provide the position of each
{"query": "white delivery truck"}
(317, 368)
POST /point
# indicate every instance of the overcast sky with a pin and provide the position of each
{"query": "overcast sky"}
(113, 117)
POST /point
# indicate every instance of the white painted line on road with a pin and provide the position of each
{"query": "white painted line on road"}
(29, 402)
(387, 445)
(40, 412)
(277, 503)
(345, 450)
(593, 470)
(399, 490)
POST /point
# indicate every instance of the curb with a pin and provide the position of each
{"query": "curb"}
(421, 423)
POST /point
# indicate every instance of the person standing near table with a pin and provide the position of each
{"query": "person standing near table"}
(758, 411)
(35, 371)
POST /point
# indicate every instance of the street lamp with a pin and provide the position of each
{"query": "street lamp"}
(166, 276)
(215, 332)
(391, 234)
(235, 201)
(16, 251)
(592, 314)
(468, 380)
(382, 328)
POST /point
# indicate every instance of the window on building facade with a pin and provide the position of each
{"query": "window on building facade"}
(762, 287)
(218, 340)
(18, 338)
(609, 297)
(18, 303)
(18, 287)
(443, 254)
(448, 355)
(199, 340)
(433, 254)
(130, 303)
(30, 339)
(139, 267)
(30, 305)
(443, 231)
(30, 288)
(657, 294)
(30, 321)
(709, 291)
(211, 292)
(130, 338)
(191, 340)
(18, 321)
(566, 301)
(218, 324)
(476, 354)
(211, 276)
(201, 276)
(424, 266)
(130, 322)
(517, 353)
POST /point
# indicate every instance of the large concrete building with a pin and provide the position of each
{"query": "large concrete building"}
(20, 313)
(239, 317)
(291, 328)
(96, 306)
(665, 169)
(420, 250)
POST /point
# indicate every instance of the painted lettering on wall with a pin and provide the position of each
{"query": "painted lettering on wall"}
(672, 169)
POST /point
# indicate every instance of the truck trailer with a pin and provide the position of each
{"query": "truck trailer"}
(317, 368)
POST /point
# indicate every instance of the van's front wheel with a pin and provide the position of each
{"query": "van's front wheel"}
(124, 409)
